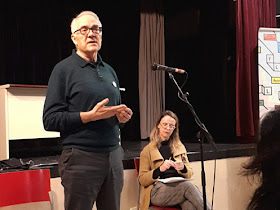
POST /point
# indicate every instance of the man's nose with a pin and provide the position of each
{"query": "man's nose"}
(91, 33)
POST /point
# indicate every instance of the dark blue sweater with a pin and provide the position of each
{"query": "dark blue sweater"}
(75, 86)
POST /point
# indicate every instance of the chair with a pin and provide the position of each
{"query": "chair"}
(137, 164)
(22, 187)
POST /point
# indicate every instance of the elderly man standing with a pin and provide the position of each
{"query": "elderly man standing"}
(83, 103)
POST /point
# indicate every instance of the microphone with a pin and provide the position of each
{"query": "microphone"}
(159, 67)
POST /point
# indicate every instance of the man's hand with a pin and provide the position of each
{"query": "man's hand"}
(100, 111)
(124, 115)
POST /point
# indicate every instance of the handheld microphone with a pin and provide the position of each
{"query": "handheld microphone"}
(159, 67)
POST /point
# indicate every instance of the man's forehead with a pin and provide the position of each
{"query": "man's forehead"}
(87, 20)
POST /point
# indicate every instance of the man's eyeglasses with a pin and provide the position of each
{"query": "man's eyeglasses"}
(170, 126)
(85, 30)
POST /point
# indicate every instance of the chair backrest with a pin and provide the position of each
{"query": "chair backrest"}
(137, 164)
(24, 187)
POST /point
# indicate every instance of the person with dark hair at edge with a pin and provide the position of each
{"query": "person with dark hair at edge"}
(264, 164)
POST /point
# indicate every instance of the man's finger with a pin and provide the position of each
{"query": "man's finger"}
(129, 111)
(121, 107)
(103, 102)
(117, 108)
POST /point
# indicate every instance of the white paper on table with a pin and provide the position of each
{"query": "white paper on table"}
(173, 179)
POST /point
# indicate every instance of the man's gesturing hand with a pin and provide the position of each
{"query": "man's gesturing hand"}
(100, 111)
(124, 115)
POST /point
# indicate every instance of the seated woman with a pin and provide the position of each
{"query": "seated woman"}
(165, 156)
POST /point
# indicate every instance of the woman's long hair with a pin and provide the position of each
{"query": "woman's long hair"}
(174, 140)
(265, 164)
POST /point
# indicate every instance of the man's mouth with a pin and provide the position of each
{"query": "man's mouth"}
(92, 42)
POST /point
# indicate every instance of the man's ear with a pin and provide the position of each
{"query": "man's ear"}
(73, 37)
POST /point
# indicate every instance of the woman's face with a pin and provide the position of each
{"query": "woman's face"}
(166, 127)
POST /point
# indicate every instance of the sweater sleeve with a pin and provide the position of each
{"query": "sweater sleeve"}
(184, 170)
(157, 173)
(187, 172)
(56, 116)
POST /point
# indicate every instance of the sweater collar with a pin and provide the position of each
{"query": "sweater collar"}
(82, 62)
(155, 154)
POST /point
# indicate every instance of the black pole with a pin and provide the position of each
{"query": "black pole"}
(203, 180)
(203, 133)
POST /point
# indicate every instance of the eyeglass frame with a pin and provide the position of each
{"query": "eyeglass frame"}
(172, 127)
(93, 29)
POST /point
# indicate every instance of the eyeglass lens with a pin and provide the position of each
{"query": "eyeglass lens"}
(95, 29)
(168, 126)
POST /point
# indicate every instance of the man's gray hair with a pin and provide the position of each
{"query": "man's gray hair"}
(73, 22)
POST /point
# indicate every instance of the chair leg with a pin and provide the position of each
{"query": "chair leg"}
(51, 200)
(138, 199)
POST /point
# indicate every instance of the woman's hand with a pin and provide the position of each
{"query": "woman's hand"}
(179, 166)
(166, 165)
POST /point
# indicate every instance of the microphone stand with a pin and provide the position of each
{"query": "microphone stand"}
(203, 133)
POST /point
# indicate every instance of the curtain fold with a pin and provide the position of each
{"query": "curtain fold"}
(250, 16)
(151, 83)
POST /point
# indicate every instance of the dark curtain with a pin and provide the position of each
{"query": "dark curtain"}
(200, 38)
(35, 35)
(250, 15)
